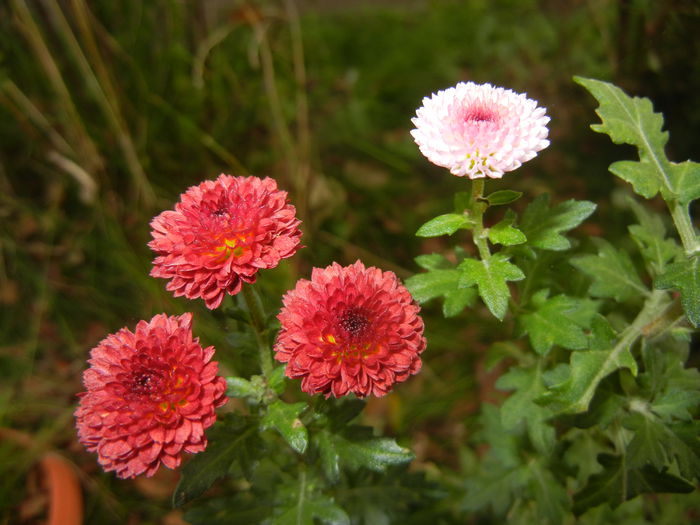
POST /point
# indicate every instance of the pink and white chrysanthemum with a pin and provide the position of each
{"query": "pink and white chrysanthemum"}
(478, 130)
(150, 394)
(350, 330)
(220, 234)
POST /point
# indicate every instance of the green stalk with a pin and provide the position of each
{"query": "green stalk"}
(684, 225)
(258, 321)
(478, 207)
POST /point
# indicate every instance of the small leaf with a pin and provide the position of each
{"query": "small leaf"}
(357, 447)
(433, 261)
(504, 233)
(686, 180)
(491, 276)
(277, 380)
(587, 369)
(239, 387)
(543, 226)
(649, 235)
(612, 272)
(284, 418)
(500, 197)
(520, 407)
(426, 286)
(457, 300)
(443, 225)
(559, 320)
(616, 484)
(684, 276)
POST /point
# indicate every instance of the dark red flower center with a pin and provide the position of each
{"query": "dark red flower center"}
(146, 382)
(355, 323)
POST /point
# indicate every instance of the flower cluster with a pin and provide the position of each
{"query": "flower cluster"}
(220, 234)
(478, 130)
(350, 329)
(150, 394)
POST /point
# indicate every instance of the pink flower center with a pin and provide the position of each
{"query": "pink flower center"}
(479, 114)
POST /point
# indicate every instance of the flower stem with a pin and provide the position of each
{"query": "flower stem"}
(478, 207)
(252, 299)
(681, 219)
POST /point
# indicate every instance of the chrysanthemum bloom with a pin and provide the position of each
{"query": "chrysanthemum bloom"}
(478, 130)
(350, 329)
(149, 395)
(220, 234)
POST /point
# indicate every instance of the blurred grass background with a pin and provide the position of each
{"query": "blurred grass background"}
(109, 110)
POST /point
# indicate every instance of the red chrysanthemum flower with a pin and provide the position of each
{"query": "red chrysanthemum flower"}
(350, 329)
(220, 234)
(149, 395)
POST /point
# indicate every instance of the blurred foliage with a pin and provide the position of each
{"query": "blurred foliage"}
(108, 110)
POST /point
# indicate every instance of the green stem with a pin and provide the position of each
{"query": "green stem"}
(478, 207)
(684, 225)
(257, 319)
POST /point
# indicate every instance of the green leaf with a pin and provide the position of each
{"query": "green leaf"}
(458, 300)
(303, 505)
(684, 276)
(357, 447)
(426, 286)
(491, 276)
(586, 370)
(612, 272)
(330, 459)
(444, 225)
(500, 197)
(504, 233)
(277, 380)
(549, 494)
(230, 440)
(520, 408)
(239, 387)
(650, 235)
(686, 179)
(432, 261)
(617, 484)
(559, 320)
(284, 418)
(543, 226)
(631, 120)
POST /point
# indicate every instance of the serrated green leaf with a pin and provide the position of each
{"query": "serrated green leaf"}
(602, 335)
(644, 178)
(612, 272)
(676, 402)
(559, 320)
(432, 261)
(649, 235)
(505, 233)
(229, 439)
(549, 494)
(617, 484)
(647, 444)
(284, 418)
(330, 460)
(306, 506)
(543, 226)
(520, 408)
(684, 276)
(490, 276)
(457, 300)
(686, 179)
(501, 197)
(426, 286)
(445, 224)
(631, 120)
(586, 370)
(357, 447)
